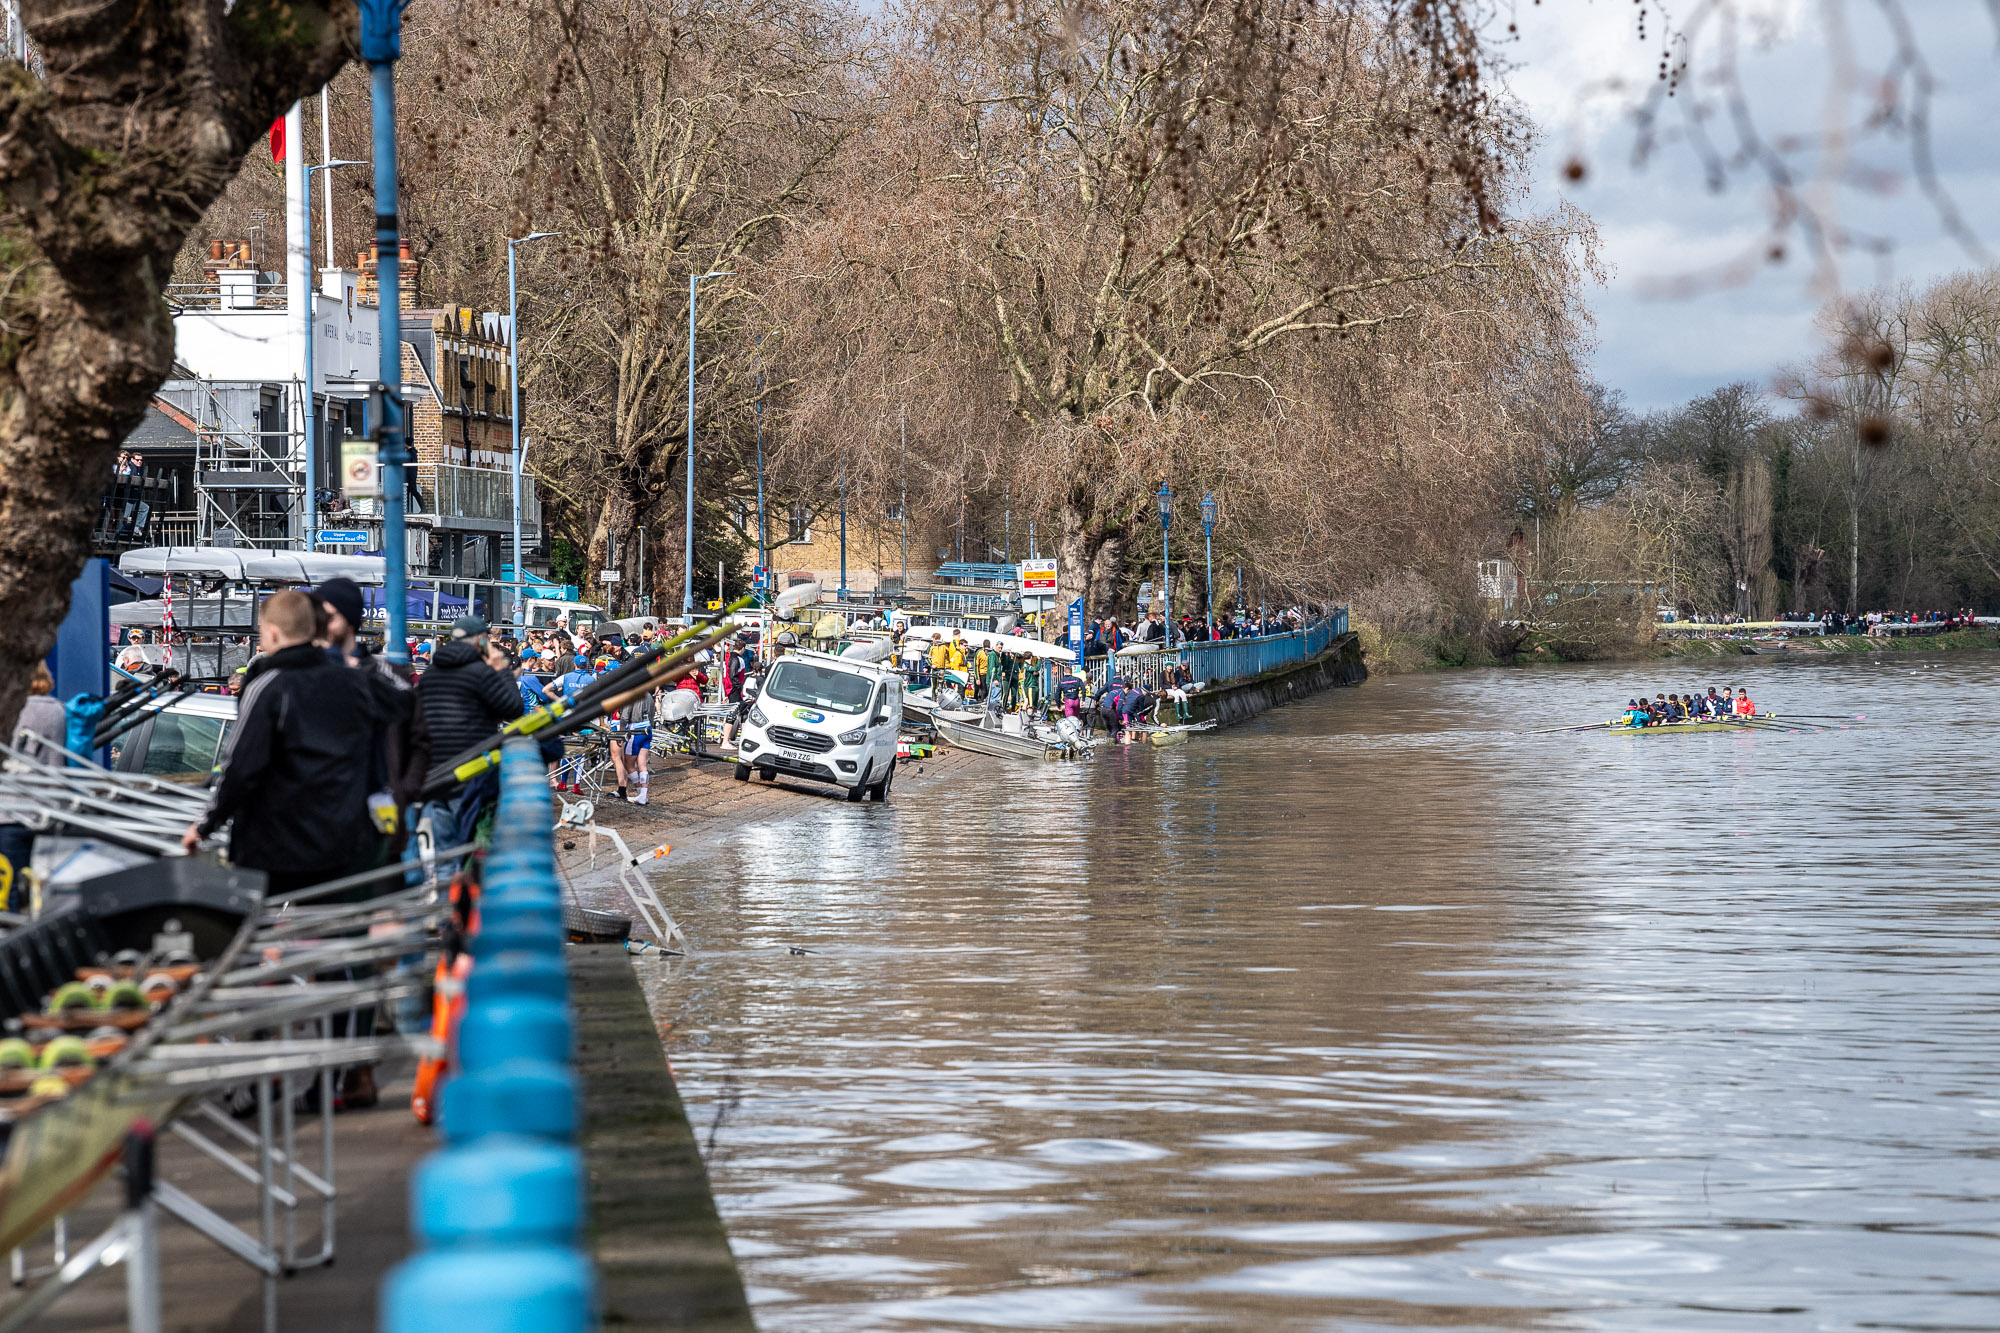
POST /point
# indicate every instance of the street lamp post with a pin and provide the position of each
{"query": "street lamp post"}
(1166, 499)
(687, 562)
(381, 48)
(1208, 547)
(763, 528)
(312, 404)
(516, 582)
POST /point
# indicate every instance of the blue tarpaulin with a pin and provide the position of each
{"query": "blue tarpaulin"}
(81, 659)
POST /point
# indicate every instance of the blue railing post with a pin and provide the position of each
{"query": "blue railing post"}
(500, 1209)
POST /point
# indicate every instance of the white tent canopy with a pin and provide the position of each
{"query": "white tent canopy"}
(189, 613)
(249, 565)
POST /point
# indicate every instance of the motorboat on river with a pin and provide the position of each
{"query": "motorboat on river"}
(1033, 739)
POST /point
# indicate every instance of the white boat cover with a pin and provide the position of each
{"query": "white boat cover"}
(189, 612)
(1006, 643)
(249, 565)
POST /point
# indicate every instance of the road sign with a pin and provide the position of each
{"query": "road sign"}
(607, 576)
(715, 606)
(1076, 624)
(342, 537)
(1038, 578)
(359, 474)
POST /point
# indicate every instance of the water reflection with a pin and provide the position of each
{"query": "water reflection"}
(1377, 1013)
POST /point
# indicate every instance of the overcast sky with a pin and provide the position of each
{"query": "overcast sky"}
(1661, 221)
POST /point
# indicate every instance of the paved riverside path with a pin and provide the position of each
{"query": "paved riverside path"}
(662, 1255)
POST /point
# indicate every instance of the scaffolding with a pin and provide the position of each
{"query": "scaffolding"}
(249, 464)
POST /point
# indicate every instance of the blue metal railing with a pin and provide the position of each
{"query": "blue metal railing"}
(499, 1210)
(1229, 659)
(966, 603)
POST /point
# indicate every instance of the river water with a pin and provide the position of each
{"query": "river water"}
(1375, 1013)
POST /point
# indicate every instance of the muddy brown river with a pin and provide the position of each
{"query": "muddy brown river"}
(1378, 1013)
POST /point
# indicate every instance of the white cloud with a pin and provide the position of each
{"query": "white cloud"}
(1580, 68)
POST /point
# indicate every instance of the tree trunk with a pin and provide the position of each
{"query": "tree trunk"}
(104, 169)
(1090, 554)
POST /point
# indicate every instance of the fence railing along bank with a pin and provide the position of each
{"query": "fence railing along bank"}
(1217, 663)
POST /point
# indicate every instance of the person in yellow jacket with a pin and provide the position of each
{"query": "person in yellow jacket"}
(954, 652)
(979, 660)
(938, 654)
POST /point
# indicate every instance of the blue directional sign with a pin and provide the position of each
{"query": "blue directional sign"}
(342, 537)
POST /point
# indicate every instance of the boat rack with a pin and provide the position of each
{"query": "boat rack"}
(234, 1066)
(580, 816)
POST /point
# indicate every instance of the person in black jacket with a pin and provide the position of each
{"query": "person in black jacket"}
(463, 702)
(295, 772)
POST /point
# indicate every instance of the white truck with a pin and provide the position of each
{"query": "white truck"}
(576, 617)
(826, 718)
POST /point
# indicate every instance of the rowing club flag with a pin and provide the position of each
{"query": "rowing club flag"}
(278, 139)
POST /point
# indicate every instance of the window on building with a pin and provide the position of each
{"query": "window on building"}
(800, 524)
(895, 511)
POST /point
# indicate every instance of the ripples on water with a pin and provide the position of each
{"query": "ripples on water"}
(1377, 1013)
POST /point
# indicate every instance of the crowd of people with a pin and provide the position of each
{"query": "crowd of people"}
(1107, 634)
(1662, 709)
(988, 673)
(325, 769)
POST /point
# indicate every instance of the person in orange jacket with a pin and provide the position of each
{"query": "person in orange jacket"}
(1744, 708)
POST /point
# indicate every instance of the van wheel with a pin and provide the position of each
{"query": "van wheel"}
(768, 774)
(860, 788)
(743, 772)
(882, 787)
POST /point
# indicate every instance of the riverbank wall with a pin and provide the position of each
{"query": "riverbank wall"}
(1401, 655)
(1240, 700)
(1836, 645)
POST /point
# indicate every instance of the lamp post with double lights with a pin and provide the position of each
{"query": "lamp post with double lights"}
(312, 329)
(1166, 499)
(1208, 548)
(517, 582)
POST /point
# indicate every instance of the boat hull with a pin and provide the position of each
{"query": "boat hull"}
(1679, 728)
(999, 744)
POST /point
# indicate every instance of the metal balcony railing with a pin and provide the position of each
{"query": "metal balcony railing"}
(473, 492)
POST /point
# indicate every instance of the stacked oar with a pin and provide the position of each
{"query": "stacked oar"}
(499, 1210)
(662, 664)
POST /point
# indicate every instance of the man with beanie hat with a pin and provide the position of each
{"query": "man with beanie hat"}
(340, 599)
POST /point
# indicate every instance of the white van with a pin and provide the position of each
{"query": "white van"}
(580, 617)
(828, 718)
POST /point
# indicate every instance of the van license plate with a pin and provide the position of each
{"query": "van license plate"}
(796, 756)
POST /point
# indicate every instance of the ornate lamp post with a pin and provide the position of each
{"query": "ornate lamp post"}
(1166, 499)
(1208, 546)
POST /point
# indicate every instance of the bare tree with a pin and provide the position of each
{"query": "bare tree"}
(1206, 245)
(107, 164)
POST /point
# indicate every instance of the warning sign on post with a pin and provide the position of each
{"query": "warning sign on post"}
(1038, 578)
(359, 473)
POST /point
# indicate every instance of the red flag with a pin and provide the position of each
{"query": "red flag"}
(278, 139)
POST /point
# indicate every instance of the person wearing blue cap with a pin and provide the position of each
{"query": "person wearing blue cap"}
(574, 679)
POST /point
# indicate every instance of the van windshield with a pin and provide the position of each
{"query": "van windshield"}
(818, 687)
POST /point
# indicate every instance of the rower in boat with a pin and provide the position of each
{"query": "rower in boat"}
(1636, 714)
(1744, 708)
